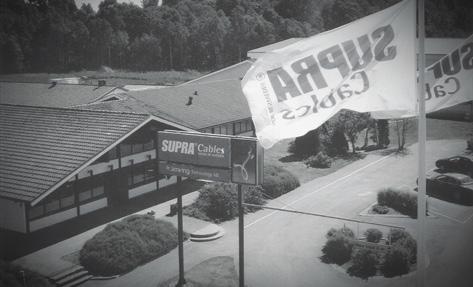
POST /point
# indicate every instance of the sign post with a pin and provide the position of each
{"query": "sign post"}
(211, 157)
(180, 234)
(241, 237)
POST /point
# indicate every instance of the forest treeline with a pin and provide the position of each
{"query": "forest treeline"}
(58, 36)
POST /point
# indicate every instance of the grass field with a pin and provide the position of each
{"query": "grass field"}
(436, 129)
(113, 78)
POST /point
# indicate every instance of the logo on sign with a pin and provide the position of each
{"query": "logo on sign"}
(189, 148)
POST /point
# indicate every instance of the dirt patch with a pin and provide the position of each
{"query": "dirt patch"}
(214, 272)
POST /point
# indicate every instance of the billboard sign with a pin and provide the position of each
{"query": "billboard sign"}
(194, 148)
(212, 157)
(194, 171)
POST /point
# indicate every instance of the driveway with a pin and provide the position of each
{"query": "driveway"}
(283, 249)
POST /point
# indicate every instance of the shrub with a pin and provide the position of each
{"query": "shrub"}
(321, 160)
(396, 262)
(339, 246)
(403, 239)
(373, 235)
(219, 202)
(278, 181)
(364, 264)
(380, 209)
(401, 201)
(337, 249)
(124, 245)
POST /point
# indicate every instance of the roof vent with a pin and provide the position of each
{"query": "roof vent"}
(189, 101)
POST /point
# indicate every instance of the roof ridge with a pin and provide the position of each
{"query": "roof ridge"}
(213, 73)
(76, 109)
(49, 83)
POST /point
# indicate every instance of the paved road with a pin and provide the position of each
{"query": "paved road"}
(283, 249)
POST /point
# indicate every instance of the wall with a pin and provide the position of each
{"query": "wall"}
(92, 206)
(142, 189)
(12, 215)
(53, 219)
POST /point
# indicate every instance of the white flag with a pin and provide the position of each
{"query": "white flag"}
(367, 65)
(448, 82)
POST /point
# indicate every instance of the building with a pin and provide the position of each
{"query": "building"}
(58, 163)
(54, 94)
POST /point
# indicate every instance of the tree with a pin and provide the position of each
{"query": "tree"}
(352, 123)
(401, 127)
(382, 128)
(306, 145)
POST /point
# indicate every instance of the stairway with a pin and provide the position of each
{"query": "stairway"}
(208, 233)
(71, 277)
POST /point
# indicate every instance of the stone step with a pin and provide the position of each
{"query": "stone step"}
(71, 277)
(64, 273)
(208, 231)
(78, 281)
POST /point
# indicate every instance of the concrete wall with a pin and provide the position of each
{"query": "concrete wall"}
(52, 219)
(12, 215)
(137, 191)
(92, 206)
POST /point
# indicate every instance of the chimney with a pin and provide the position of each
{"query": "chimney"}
(53, 84)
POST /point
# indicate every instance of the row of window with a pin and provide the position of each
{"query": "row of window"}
(88, 189)
(231, 128)
(126, 149)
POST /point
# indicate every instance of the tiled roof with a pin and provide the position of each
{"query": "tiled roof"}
(40, 147)
(47, 95)
(216, 103)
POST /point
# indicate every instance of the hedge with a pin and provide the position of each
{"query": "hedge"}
(321, 160)
(126, 244)
(401, 201)
(278, 181)
(219, 202)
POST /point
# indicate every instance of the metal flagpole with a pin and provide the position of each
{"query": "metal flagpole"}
(421, 196)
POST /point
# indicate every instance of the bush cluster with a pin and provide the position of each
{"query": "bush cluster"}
(365, 263)
(125, 244)
(278, 181)
(380, 209)
(219, 202)
(321, 160)
(401, 201)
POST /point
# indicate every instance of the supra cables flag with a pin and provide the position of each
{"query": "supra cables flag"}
(367, 65)
(448, 82)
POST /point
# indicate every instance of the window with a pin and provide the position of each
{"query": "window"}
(223, 130)
(92, 187)
(36, 211)
(125, 149)
(51, 206)
(136, 148)
(248, 125)
(149, 145)
(142, 173)
(216, 130)
(237, 127)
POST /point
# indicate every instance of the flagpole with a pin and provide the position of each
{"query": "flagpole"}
(421, 196)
